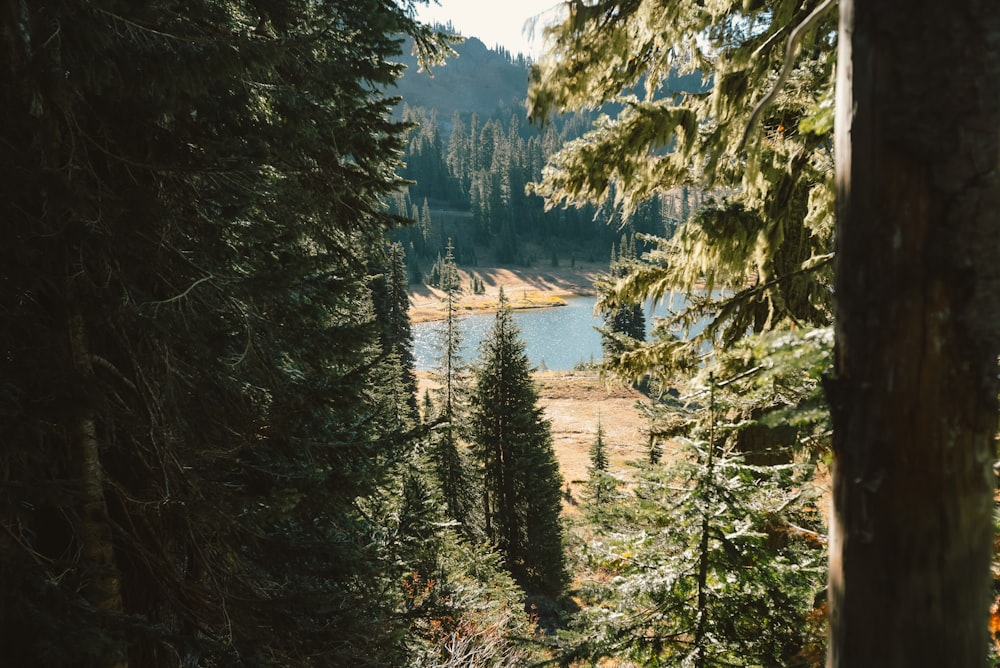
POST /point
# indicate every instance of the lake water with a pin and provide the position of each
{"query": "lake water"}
(555, 338)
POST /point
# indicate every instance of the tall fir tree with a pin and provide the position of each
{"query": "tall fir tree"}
(447, 449)
(190, 408)
(599, 450)
(521, 483)
(390, 295)
(766, 236)
(712, 561)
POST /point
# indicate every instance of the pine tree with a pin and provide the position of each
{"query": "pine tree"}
(461, 607)
(447, 448)
(427, 225)
(392, 303)
(598, 450)
(772, 139)
(624, 322)
(419, 525)
(478, 287)
(521, 484)
(458, 155)
(712, 561)
(766, 235)
(600, 482)
(190, 406)
(427, 407)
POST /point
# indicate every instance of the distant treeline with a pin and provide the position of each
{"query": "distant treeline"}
(470, 176)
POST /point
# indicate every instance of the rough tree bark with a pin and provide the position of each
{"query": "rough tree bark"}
(914, 398)
(103, 590)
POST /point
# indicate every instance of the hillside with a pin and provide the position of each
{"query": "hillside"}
(472, 154)
(478, 80)
(483, 80)
(524, 288)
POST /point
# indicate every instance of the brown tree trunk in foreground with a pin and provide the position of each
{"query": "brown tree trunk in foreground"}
(917, 319)
(103, 590)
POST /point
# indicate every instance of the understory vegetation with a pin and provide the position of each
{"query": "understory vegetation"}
(213, 449)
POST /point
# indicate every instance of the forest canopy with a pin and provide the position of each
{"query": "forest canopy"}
(213, 449)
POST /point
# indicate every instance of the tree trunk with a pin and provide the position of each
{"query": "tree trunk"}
(701, 626)
(103, 590)
(917, 320)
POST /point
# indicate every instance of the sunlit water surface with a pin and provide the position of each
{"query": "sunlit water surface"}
(555, 338)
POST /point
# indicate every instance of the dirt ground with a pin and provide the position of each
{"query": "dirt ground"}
(524, 288)
(574, 402)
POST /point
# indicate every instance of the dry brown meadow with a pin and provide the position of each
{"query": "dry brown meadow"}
(573, 401)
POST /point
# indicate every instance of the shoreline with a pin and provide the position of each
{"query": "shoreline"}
(524, 287)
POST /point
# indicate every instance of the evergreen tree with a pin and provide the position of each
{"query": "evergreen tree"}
(427, 225)
(458, 155)
(489, 165)
(190, 407)
(767, 234)
(427, 407)
(598, 450)
(472, 615)
(418, 526)
(521, 484)
(444, 273)
(461, 607)
(624, 323)
(713, 561)
(389, 293)
(765, 129)
(699, 575)
(600, 482)
(446, 446)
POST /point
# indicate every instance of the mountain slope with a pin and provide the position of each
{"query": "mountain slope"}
(477, 80)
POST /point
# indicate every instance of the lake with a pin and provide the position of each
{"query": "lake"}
(556, 338)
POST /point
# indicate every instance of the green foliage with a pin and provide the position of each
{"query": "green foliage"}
(478, 287)
(391, 301)
(471, 614)
(190, 196)
(624, 323)
(716, 557)
(521, 484)
(766, 237)
(419, 524)
(448, 448)
(710, 562)
(601, 483)
(444, 272)
(599, 450)
(475, 179)
(459, 606)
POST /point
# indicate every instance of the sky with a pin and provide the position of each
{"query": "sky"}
(493, 21)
